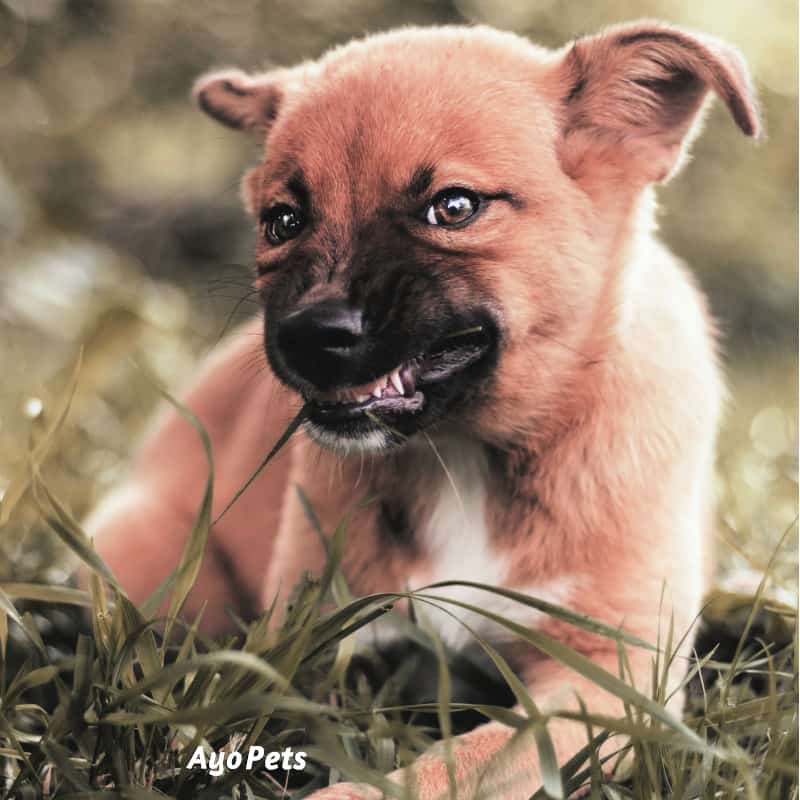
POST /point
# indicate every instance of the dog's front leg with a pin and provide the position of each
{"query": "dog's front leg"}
(490, 762)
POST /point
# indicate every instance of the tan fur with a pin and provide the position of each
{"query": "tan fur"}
(605, 403)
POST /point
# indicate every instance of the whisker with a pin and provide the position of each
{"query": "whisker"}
(236, 296)
(448, 474)
(221, 283)
(360, 469)
(566, 346)
(231, 315)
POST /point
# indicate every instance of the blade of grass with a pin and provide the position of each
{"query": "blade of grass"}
(443, 711)
(218, 660)
(182, 579)
(69, 531)
(287, 434)
(754, 610)
(548, 763)
(20, 484)
(46, 593)
(583, 621)
(583, 666)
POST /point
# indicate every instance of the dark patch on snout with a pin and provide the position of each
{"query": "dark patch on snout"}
(421, 309)
(392, 296)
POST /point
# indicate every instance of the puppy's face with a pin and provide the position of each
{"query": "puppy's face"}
(407, 204)
(441, 219)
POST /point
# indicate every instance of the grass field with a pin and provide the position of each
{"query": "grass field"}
(119, 706)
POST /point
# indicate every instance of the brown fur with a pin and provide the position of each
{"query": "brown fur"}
(593, 438)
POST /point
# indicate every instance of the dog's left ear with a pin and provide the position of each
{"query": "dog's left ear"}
(240, 101)
(634, 92)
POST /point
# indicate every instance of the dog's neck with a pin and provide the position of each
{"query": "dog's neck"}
(412, 477)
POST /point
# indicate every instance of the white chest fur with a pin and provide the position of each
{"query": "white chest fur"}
(458, 546)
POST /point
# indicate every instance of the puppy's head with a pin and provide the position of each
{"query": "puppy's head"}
(443, 214)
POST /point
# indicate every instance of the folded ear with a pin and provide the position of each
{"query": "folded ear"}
(636, 90)
(238, 100)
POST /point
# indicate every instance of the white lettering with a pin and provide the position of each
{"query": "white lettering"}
(255, 758)
(256, 753)
(198, 759)
(215, 765)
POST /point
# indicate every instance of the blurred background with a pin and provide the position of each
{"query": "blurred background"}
(121, 231)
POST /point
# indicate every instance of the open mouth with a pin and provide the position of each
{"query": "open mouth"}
(403, 389)
(394, 392)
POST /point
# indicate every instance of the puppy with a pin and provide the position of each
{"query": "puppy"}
(459, 274)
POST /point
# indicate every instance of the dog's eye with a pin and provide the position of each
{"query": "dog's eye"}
(281, 223)
(452, 207)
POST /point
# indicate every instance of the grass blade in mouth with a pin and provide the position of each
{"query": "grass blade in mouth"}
(456, 340)
(465, 332)
(287, 434)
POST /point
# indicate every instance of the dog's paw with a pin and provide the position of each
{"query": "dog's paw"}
(347, 791)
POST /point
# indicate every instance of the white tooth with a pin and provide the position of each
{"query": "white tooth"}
(360, 398)
(396, 382)
(377, 389)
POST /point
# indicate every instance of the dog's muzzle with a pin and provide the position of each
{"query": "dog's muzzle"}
(354, 378)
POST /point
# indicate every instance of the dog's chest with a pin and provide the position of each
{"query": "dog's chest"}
(456, 544)
(453, 532)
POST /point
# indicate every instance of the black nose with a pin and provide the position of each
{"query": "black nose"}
(322, 343)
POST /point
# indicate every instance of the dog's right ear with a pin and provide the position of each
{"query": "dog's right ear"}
(240, 101)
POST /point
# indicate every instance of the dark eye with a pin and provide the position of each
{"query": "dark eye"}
(281, 223)
(452, 207)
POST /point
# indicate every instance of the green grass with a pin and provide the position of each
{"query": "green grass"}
(123, 709)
